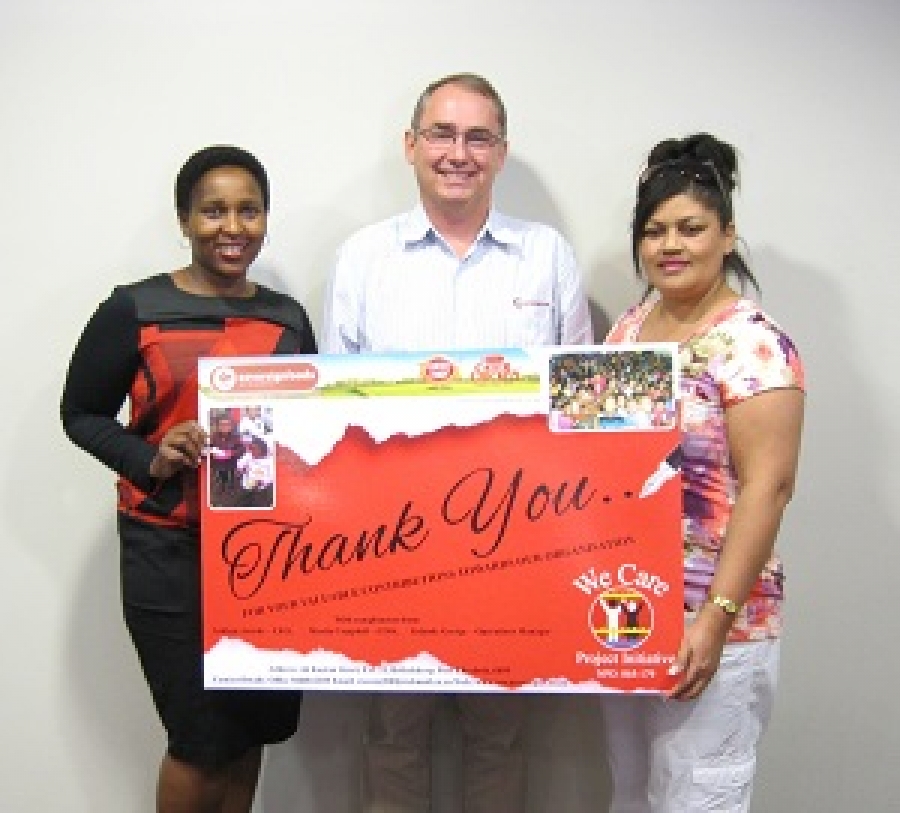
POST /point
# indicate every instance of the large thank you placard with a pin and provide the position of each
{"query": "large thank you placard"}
(487, 520)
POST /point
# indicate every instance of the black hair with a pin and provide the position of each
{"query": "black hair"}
(218, 155)
(701, 167)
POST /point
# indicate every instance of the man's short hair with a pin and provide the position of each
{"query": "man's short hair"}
(469, 81)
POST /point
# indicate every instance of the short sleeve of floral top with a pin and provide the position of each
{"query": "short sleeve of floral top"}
(740, 353)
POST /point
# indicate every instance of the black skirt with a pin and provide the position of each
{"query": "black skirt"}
(161, 598)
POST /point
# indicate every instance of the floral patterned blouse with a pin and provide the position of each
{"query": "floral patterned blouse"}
(739, 353)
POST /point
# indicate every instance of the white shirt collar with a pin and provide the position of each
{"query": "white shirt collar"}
(417, 228)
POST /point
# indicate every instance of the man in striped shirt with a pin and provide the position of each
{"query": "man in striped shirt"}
(452, 273)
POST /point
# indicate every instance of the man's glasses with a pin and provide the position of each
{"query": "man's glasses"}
(701, 171)
(477, 140)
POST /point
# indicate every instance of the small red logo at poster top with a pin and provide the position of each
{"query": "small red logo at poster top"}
(493, 367)
(438, 369)
(295, 377)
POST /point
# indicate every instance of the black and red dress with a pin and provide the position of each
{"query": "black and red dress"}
(143, 343)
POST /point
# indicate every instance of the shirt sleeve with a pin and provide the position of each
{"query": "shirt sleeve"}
(761, 357)
(100, 375)
(342, 319)
(574, 314)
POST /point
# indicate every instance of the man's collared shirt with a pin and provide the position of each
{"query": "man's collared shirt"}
(397, 285)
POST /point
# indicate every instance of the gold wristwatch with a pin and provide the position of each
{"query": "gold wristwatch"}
(725, 604)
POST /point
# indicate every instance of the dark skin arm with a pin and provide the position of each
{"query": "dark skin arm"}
(100, 375)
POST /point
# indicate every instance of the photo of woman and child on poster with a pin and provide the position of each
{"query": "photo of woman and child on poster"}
(241, 457)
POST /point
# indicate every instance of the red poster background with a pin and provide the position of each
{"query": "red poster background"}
(442, 575)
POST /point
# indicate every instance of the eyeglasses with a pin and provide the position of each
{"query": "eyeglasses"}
(478, 139)
(702, 171)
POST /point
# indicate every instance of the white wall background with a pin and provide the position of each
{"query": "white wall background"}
(103, 99)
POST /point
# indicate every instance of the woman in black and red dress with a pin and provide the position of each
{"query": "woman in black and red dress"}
(142, 343)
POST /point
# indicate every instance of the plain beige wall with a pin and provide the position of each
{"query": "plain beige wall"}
(103, 99)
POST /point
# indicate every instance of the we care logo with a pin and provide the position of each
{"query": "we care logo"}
(620, 615)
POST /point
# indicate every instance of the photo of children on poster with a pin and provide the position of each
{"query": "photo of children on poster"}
(478, 520)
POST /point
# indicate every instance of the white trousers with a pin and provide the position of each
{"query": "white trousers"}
(671, 756)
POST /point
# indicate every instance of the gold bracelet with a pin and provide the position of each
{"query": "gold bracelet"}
(725, 604)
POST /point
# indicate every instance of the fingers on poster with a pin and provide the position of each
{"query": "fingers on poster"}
(241, 457)
(613, 388)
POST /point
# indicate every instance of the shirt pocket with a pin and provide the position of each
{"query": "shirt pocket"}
(723, 788)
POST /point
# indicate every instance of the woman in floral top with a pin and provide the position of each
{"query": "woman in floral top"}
(741, 410)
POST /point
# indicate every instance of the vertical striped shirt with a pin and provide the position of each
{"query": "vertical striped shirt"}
(397, 285)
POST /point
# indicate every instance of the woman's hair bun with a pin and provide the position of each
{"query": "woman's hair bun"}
(699, 147)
